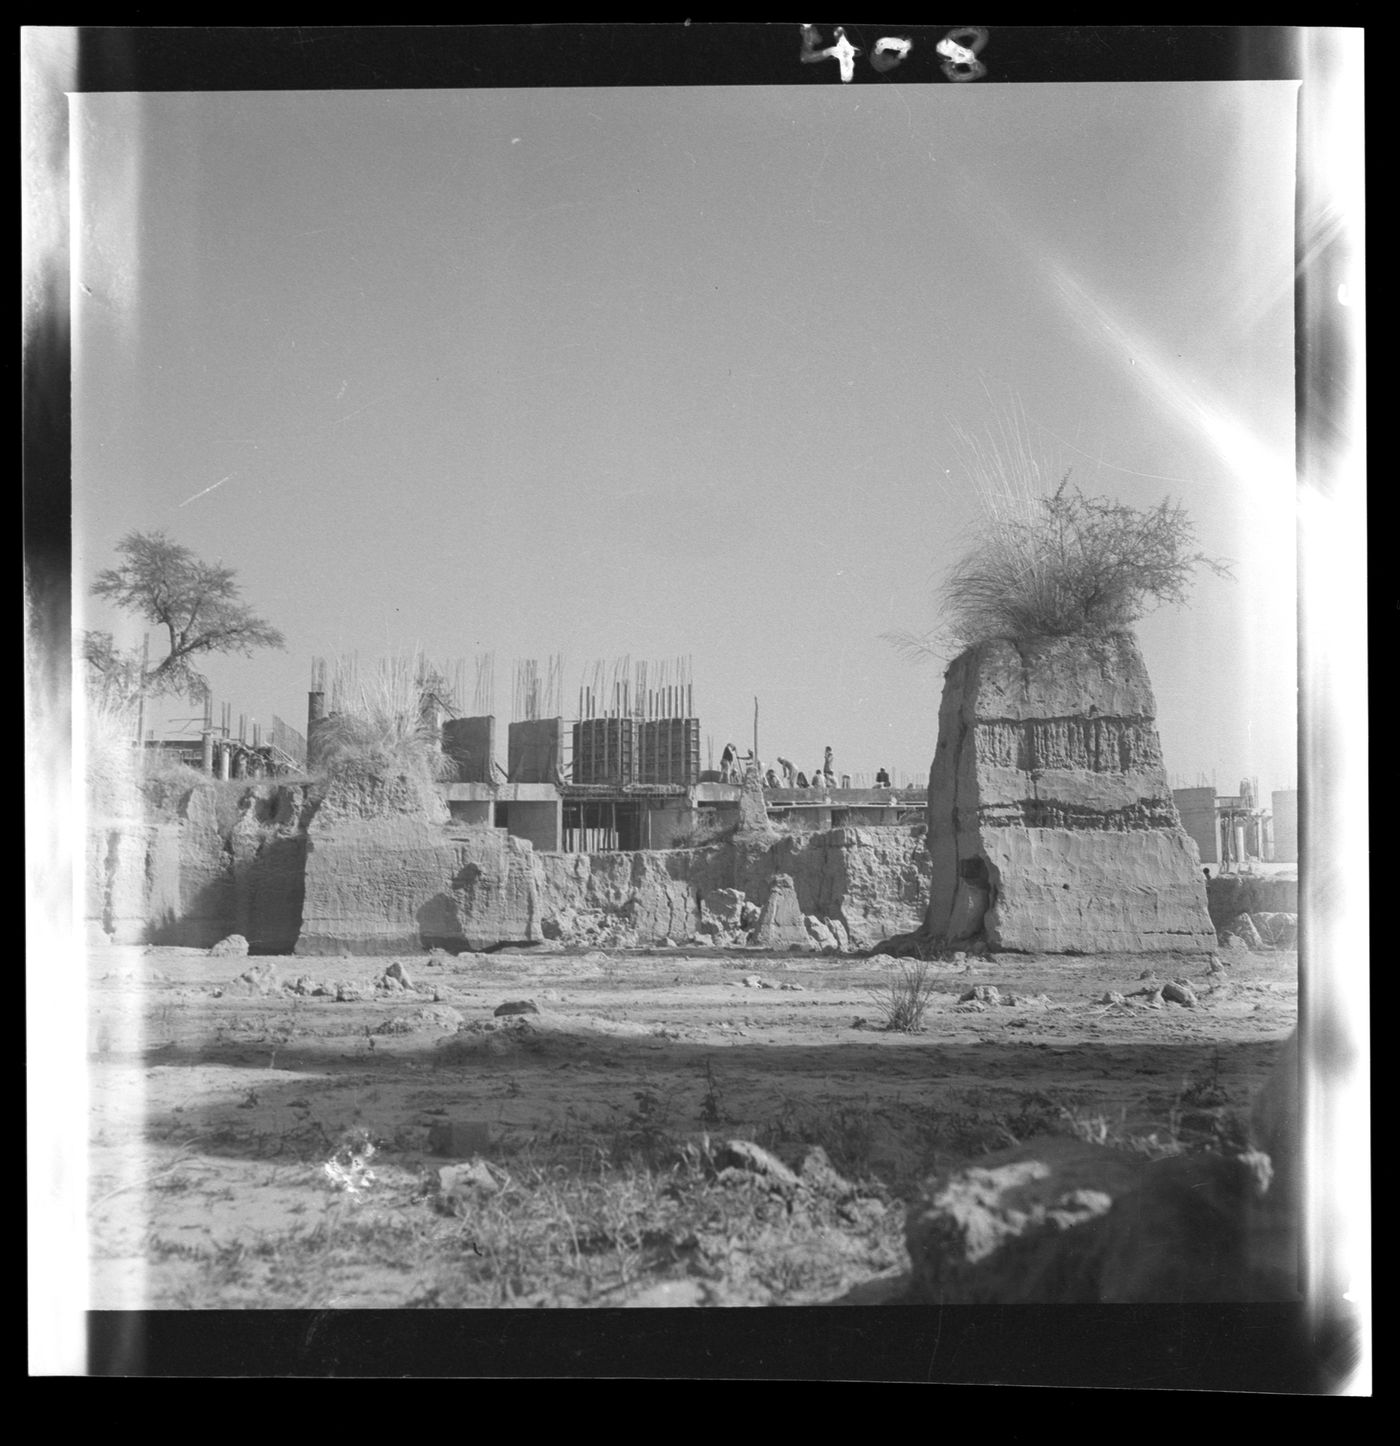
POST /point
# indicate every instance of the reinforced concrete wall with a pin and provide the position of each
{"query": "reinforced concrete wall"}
(471, 744)
(535, 751)
(605, 751)
(1051, 825)
(1196, 807)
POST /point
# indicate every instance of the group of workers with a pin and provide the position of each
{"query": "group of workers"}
(733, 766)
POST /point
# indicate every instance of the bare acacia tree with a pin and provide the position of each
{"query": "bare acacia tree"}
(197, 603)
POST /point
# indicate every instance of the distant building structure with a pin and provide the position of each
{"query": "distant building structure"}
(624, 775)
(1229, 830)
(252, 753)
(610, 809)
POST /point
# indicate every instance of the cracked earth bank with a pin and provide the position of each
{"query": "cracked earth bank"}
(330, 1132)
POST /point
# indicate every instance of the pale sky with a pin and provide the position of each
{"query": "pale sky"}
(679, 371)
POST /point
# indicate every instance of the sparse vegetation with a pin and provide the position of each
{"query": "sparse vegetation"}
(178, 777)
(846, 1132)
(300, 1171)
(1056, 564)
(1072, 566)
(548, 1234)
(712, 1104)
(378, 722)
(1206, 1089)
(904, 1000)
(645, 1133)
(111, 753)
(1098, 1129)
(198, 605)
(703, 835)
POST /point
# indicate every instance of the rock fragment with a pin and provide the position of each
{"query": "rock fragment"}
(744, 1155)
(259, 979)
(1276, 930)
(982, 994)
(1007, 1230)
(1061, 1222)
(458, 1184)
(1241, 931)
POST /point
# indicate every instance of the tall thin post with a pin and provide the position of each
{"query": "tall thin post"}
(755, 732)
(141, 696)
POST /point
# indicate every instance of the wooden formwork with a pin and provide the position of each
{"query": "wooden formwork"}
(668, 751)
(605, 751)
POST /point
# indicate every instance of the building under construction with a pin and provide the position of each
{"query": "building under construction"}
(1235, 830)
(624, 774)
(220, 752)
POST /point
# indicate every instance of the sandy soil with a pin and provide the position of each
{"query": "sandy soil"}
(215, 1109)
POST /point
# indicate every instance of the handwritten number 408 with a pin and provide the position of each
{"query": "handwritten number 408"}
(958, 49)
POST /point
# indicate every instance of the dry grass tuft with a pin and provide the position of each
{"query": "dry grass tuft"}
(1053, 562)
(1071, 566)
(110, 752)
(904, 1000)
(378, 721)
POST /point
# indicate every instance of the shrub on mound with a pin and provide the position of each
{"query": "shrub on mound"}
(379, 751)
(1046, 564)
(1068, 565)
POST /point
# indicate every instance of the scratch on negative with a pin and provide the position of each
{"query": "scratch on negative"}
(210, 488)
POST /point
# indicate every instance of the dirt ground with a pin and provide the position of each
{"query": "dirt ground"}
(252, 1146)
